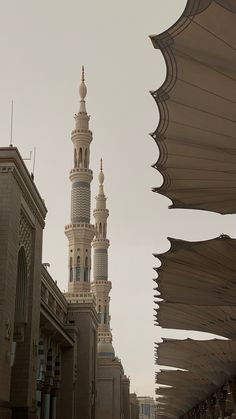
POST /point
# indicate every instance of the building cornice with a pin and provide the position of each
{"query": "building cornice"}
(11, 161)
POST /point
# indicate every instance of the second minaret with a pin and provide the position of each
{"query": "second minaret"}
(101, 286)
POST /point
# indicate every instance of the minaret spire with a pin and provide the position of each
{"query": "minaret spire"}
(101, 286)
(80, 232)
(82, 93)
(82, 73)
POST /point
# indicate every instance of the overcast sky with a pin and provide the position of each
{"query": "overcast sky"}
(43, 45)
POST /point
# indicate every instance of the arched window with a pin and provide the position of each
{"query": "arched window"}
(49, 370)
(75, 158)
(21, 287)
(100, 230)
(99, 308)
(86, 269)
(57, 368)
(78, 268)
(80, 157)
(104, 231)
(86, 159)
(71, 271)
(41, 360)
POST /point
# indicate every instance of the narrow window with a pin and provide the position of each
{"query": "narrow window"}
(71, 271)
(20, 303)
(80, 157)
(86, 270)
(86, 159)
(78, 268)
(75, 158)
(100, 230)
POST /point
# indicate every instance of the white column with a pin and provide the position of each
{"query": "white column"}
(54, 407)
(39, 402)
(47, 397)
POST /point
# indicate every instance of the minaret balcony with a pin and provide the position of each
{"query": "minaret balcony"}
(98, 211)
(83, 131)
(101, 286)
(100, 242)
(81, 230)
(81, 134)
(81, 174)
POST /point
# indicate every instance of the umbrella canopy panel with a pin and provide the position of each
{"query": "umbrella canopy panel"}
(196, 132)
(219, 320)
(214, 359)
(199, 273)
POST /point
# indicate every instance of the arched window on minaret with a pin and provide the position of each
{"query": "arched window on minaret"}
(104, 231)
(99, 313)
(80, 157)
(86, 270)
(71, 270)
(78, 268)
(105, 314)
(100, 230)
(75, 158)
(86, 159)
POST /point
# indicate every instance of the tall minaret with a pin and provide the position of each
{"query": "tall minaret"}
(101, 286)
(80, 232)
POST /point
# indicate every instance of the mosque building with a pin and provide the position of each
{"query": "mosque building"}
(57, 360)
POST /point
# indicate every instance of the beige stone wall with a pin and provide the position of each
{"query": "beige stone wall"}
(9, 230)
(109, 389)
(125, 397)
(22, 215)
(85, 319)
(134, 407)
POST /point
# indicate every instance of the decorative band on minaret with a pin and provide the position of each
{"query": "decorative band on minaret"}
(101, 286)
(80, 232)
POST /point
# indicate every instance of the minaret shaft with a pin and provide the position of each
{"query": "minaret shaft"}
(101, 286)
(80, 232)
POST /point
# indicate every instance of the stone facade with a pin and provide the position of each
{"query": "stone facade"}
(147, 408)
(22, 214)
(134, 406)
(112, 390)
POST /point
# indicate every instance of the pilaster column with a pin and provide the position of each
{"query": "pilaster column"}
(211, 407)
(54, 403)
(221, 398)
(39, 398)
(46, 402)
(232, 388)
(203, 410)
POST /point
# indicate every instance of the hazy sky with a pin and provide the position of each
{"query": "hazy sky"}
(43, 45)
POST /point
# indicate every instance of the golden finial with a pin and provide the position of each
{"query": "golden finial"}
(101, 165)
